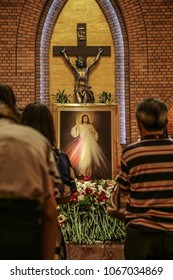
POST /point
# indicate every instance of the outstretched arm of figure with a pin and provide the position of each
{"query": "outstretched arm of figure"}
(67, 58)
(100, 50)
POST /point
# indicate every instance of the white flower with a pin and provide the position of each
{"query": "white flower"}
(81, 197)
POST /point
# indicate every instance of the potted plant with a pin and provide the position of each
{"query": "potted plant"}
(105, 97)
(85, 222)
(61, 97)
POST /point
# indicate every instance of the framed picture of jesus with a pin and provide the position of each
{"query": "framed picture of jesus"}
(89, 134)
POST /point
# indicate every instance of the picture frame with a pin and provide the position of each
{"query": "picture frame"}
(103, 124)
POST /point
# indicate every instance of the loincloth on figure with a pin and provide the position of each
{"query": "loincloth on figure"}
(84, 94)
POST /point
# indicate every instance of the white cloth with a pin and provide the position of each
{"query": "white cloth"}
(85, 153)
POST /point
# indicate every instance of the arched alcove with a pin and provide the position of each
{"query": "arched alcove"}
(137, 75)
(112, 19)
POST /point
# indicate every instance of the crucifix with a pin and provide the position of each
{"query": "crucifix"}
(83, 92)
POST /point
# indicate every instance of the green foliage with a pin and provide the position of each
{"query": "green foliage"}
(85, 219)
(105, 97)
(61, 97)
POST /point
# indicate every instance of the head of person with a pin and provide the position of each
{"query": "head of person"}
(6, 112)
(39, 117)
(7, 95)
(80, 63)
(85, 119)
(151, 115)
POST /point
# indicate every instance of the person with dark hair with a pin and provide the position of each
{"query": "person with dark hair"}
(146, 178)
(28, 218)
(7, 95)
(39, 117)
(83, 92)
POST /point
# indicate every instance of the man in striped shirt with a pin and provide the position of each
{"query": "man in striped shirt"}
(147, 177)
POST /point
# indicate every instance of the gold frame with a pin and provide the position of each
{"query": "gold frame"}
(96, 109)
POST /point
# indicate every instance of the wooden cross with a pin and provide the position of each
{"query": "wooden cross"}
(81, 49)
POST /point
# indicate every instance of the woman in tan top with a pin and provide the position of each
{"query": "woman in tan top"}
(28, 218)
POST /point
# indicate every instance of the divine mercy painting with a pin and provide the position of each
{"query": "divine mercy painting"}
(86, 134)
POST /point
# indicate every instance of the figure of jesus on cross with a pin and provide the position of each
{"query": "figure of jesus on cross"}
(82, 91)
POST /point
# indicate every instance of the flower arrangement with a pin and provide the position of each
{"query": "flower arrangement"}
(85, 220)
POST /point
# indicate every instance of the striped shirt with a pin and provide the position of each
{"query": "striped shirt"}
(147, 175)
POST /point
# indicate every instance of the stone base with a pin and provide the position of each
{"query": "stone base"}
(96, 251)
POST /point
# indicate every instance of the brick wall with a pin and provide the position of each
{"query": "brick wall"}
(147, 28)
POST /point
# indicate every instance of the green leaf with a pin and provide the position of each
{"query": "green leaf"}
(87, 220)
(61, 97)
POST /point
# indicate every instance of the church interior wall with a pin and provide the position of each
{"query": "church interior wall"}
(148, 58)
(102, 76)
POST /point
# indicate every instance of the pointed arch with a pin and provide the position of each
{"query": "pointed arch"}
(51, 17)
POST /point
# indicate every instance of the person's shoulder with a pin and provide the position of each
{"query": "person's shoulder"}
(27, 134)
(131, 146)
(24, 129)
(33, 133)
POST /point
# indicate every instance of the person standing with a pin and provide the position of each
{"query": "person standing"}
(28, 218)
(39, 117)
(146, 178)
